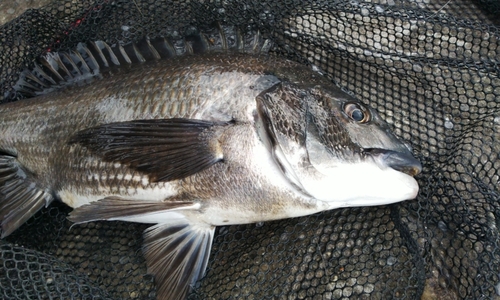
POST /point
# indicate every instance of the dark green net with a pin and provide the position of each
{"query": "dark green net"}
(431, 69)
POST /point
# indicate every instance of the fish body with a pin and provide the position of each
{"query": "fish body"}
(196, 142)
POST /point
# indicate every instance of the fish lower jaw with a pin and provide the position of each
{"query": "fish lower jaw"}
(365, 201)
(402, 191)
(363, 184)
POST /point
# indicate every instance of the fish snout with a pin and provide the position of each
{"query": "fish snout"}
(399, 161)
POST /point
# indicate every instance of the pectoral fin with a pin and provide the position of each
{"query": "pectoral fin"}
(20, 195)
(177, 255)
(164, 149)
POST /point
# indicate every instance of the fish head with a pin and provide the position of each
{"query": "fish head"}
(334, 148)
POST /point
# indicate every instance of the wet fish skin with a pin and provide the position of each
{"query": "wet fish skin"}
(192, 143)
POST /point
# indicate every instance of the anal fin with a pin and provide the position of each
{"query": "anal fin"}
(20, 195)
(177, 254)
(176, 249)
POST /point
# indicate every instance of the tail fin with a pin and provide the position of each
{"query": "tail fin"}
(20, 195)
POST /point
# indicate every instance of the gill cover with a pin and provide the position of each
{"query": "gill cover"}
(282, 109)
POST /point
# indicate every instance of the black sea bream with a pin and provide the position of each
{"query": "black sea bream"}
(195, 142)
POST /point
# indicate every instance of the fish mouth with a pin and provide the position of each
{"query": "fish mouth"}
(399, 161)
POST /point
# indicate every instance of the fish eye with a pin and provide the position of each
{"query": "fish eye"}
(357, 112)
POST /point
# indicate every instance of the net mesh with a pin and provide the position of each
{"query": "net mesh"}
(430, 68)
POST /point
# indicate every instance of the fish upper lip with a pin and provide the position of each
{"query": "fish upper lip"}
(399, 161)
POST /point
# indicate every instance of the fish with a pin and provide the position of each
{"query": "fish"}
(194, 142)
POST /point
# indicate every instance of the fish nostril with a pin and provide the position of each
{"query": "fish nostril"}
(408, 146)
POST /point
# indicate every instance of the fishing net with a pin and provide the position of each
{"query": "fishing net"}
(430, 68)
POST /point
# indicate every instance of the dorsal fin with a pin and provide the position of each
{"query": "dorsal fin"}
(56, 70)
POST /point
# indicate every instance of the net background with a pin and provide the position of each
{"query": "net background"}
(431, 69)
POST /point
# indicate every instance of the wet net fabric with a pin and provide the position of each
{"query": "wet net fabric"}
(430, 68)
